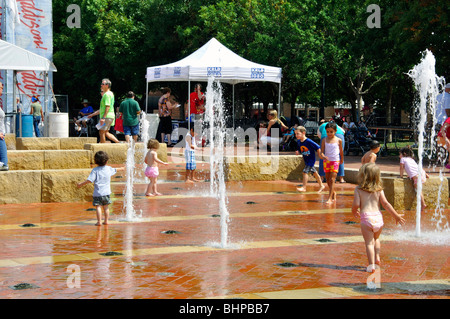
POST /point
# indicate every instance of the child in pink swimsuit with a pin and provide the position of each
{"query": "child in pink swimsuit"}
(368, 195)
(152, 171)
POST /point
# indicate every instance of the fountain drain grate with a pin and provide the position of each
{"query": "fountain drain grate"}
(325, 240)
(28, 225)
(23, 286)
(111, 253)
(287, 265)
(170, 232)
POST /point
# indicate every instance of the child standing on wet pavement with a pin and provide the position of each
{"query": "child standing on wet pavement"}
(100, 176)
(368, 196)
(307, 148)
(152, 170)
(333, 156)
(189, 155)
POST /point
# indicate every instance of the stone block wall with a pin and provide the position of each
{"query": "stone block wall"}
(48, 159)
(401, 194)
(264, 168)
(44, 186)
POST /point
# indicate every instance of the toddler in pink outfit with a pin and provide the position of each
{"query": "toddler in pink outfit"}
(409, 165)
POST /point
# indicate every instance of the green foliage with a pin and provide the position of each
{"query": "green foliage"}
(308, 39)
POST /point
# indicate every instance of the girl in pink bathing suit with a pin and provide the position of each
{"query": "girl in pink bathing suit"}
(409, 165)
(368, 195)
(152, 171)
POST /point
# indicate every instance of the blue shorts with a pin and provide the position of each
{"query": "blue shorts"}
(189, 155)
(131, 130)
(309, 169)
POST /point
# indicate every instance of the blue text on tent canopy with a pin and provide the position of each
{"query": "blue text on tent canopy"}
(257, 73)
(177, 71)
(157, 73)
(215, 71)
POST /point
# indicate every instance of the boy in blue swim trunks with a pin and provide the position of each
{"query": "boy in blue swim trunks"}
(307, 148)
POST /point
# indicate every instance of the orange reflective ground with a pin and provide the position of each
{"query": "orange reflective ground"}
(270, 224)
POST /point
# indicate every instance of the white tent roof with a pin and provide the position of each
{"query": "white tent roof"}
(214, 60)
(13, 57)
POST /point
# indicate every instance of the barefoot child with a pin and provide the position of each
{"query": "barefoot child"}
(307, 148)
(371, 155)
(409, 165)
(189, 155)
(368, 195)
(101, 177)
(333, 156)
(152, 171)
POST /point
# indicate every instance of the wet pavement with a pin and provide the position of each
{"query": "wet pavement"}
(281, 244)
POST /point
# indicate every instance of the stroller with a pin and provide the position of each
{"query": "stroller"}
(357, 139)
(289, 142)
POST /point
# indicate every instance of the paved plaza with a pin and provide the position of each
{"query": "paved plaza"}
(282, 245)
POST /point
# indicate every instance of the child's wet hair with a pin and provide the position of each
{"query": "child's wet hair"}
(153, 144)
(101, 158)
(407, 151)
(301, 129)
(369, 178)
(374, 144)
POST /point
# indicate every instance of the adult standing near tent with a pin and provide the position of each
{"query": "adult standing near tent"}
(165, 115)
(107, 115)
(130, 110)
(3, 149)
(38, 114)
(197, 100)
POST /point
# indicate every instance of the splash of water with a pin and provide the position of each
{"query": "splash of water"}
(427, 84)
(215, 117)
(128, 206)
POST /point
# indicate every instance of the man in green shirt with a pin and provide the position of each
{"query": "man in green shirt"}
(130, 110)
(107, 116)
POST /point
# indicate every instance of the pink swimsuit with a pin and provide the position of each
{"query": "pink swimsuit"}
(372, 219)
(152, 171)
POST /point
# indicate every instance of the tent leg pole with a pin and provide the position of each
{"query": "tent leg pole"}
(233, 106)
(189, 106)
(146, 94)
(279, 99)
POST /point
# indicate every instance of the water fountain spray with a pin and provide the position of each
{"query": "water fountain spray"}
(215, 116)
(427, 84)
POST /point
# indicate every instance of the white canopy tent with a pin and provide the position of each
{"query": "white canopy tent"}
(16, 59)
(215, 60)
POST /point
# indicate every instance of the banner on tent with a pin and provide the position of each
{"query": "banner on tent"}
(214, 71)
(257, 73)
(28, 25)
(2, 27)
